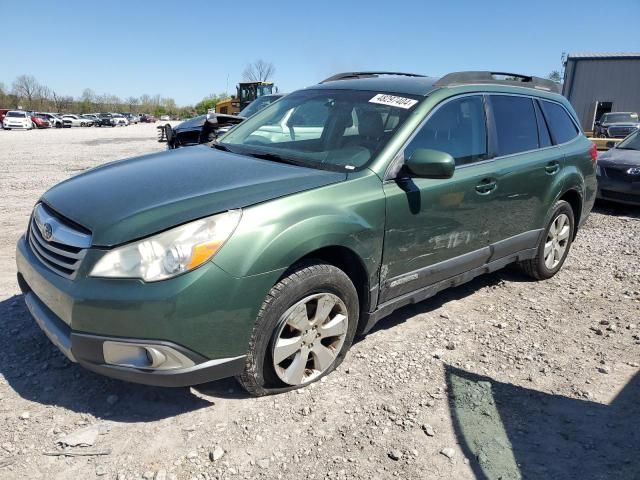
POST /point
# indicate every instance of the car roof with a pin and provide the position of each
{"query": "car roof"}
(387, 84)
(413, 84)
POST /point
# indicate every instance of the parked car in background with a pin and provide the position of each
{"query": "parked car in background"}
(165, 118)
(144, 118)
(119, 120)
(106, 120)
(132, 118)
(76, 121)
(619, 171)
(201, 129)
(617, 124)
(38, 121)
(54, 119)
(92, 117)
(207, 128)
(3, 112)
(17, 119)
(263, 259)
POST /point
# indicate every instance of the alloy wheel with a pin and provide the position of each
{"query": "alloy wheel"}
(309, 338)
(557, 241)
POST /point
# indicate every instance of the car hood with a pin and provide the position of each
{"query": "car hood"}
(130, 199)
(620, 157)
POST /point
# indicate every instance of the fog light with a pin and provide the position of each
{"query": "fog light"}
(143, 355)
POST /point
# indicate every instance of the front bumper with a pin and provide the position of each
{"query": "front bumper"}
(207, 315)
(619, 191)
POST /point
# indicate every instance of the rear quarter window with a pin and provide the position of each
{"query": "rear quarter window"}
(560, 123)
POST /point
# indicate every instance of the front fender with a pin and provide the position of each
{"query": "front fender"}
(274, 235)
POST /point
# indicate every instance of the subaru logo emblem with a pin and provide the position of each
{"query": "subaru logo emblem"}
(47, 231)
(634, 171)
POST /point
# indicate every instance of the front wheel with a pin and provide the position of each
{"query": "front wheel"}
(554, 244)
(303, 331)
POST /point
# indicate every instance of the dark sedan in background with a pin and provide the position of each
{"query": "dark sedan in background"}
(618, 172)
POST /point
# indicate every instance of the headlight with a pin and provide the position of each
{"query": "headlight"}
(169, 253)
(598, 171)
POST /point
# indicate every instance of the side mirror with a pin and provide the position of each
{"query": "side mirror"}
(611, 144)
(428, 163)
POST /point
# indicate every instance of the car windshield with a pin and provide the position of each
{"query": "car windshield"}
(258, 104)
(632, 142)
(330, 129)
(16, 114)
(620, 117)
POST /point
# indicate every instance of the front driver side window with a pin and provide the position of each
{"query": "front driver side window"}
(458, 127)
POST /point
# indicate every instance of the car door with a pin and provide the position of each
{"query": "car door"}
(526, 169)
(435, 228)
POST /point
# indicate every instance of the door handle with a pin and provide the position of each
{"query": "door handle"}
(552, 167)
(486, 186)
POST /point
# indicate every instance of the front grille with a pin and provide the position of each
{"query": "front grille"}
(618, 174)
(66, 245)
(620, 132)
(624, 197)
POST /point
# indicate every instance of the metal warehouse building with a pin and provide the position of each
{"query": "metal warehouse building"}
(597, 83)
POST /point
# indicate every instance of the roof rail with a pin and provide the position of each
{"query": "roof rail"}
(515, 79)
(355, 75)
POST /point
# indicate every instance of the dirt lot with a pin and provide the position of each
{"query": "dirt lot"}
(502, 378)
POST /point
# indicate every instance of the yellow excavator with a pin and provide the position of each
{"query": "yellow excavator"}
(247, 92)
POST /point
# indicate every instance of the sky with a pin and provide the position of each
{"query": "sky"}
(187, 49)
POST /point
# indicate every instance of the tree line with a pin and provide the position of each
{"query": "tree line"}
(28, 93)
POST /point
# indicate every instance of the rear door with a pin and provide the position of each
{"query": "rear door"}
(526, 166)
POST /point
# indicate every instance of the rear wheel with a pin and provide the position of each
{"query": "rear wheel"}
(554, 244)
(303, 331)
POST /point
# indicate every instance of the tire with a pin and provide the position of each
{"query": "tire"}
(311, 281)
(540, 267)
(33, 125)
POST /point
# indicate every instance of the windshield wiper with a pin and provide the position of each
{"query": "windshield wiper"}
(272, 157)
(219, 146)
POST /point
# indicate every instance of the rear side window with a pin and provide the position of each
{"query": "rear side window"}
(543, 130)
(515, 124)
(560, 124)
(458, 128)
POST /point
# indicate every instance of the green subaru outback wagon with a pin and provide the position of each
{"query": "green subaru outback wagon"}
(262, 255)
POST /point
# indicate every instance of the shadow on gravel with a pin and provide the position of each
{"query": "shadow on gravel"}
(509, 432)
(616, 209)
(35, 369)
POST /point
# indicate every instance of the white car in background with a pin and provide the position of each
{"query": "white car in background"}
(76, 121)
(119, 120)
(92, 118)
(17, 119)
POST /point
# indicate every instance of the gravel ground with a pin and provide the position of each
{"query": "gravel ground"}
(502, 378)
